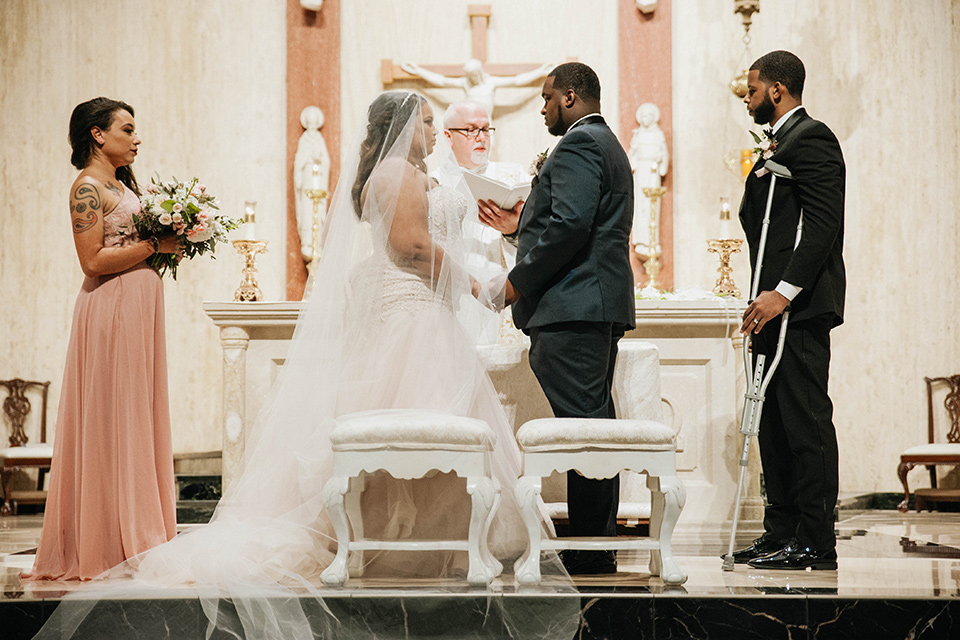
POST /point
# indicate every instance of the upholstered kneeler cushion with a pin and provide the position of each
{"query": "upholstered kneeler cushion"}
(548, 434)
(410, 429)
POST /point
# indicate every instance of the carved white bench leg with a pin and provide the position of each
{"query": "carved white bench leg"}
(333, 492)
(483, 498)
(669, 492)
(355, 518)
(485, 536)
(527, 568)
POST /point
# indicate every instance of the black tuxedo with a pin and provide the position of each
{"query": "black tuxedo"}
(576, 290)
(798, 442)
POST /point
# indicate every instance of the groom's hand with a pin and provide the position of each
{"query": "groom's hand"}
(506, 221)
(510, 294)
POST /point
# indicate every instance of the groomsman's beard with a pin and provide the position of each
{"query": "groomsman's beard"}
(764, 112)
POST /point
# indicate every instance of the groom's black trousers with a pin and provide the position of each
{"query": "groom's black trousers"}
(574, 362)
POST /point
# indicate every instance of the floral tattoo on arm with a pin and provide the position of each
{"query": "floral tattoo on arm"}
(84, 209)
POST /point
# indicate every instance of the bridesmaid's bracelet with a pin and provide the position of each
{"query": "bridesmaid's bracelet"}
(156, 244)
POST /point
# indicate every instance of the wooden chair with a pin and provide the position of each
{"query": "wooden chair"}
(937, 451)
(22, 453)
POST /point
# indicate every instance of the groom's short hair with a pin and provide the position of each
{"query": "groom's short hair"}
(579, 77)
(782, 67)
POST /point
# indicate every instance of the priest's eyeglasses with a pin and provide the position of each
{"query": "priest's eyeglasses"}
(473, 132)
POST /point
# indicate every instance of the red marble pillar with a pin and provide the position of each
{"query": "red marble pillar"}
(313, 78)
(646, 75)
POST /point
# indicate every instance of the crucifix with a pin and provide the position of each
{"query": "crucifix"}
(478, 82)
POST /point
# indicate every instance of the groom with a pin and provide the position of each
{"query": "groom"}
(572, 287)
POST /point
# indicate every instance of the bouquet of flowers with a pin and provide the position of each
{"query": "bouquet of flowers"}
(184, 209)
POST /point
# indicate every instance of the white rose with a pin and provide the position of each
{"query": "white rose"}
(165, 218)
(177, 207)
(177, 217)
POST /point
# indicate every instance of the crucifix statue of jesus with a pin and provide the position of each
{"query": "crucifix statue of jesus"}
(478, 83)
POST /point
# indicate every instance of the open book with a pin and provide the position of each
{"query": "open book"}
(506, 196)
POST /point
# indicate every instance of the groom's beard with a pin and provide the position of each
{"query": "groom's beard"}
(559, 127)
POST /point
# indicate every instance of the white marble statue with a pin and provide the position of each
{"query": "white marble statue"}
(649, 158)
(478, 85)
(311, 170)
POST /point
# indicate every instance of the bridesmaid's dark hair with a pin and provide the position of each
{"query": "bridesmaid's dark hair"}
(386, 118)
(99, 112)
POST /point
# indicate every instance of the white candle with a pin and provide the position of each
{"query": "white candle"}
(250, 220)
(313, 178)
(724, 218)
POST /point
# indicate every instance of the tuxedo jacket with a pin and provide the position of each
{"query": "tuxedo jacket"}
(573, 251)
(812, 153)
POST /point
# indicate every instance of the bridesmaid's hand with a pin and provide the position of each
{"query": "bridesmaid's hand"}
(170, 244)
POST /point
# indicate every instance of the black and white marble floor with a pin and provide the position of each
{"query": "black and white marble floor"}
(898, 577)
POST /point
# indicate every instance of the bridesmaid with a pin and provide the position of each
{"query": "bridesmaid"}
(112, 492)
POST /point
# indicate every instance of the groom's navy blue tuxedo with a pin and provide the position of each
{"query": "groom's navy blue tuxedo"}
(798, 441)
(576, 290)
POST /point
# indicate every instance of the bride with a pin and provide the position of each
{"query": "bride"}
(379, 331)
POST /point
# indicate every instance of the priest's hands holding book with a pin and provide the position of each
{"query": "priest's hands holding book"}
(505, 221)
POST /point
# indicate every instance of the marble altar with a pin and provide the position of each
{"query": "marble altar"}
(700, 389)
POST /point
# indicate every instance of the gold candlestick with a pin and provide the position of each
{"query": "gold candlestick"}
(318, 196)
(724, 248)
(652, 264)
(248, 291)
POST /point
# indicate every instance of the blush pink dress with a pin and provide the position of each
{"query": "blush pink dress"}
(112, 491)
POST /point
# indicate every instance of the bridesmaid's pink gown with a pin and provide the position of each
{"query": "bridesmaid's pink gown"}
(112, 492)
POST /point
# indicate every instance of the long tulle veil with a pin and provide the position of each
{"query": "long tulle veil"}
(378, 331)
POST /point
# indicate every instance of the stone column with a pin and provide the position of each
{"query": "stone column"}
(234, 341)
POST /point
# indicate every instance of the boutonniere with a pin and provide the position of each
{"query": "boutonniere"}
(766, 145)
(538, 162)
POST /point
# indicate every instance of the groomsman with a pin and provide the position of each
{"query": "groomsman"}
(798, 441)
(572, 287)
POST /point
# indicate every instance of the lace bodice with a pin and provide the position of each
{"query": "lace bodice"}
(405, 288)
(118, 227)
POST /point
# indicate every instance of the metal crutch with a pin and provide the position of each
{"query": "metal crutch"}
(758, 381)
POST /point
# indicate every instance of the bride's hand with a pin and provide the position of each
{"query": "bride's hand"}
(474, 287)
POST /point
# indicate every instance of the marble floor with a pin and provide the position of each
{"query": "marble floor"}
(898, 577)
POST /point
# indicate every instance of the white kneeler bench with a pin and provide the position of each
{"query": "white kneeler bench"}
(601, 448)
(409, 443)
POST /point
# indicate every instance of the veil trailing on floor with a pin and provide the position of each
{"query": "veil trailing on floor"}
(379, 331)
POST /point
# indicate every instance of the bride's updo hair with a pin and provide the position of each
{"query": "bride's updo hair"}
(387, 116)
(99, 112)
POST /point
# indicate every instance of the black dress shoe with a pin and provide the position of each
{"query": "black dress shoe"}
(761, 547)
(578, 563)
(795, 557)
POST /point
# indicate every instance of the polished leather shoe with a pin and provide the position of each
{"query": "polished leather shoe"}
(795, 557)
(578, 563)
(760, 547)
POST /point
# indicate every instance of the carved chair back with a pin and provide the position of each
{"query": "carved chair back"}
(17, 406)
(951, 404)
